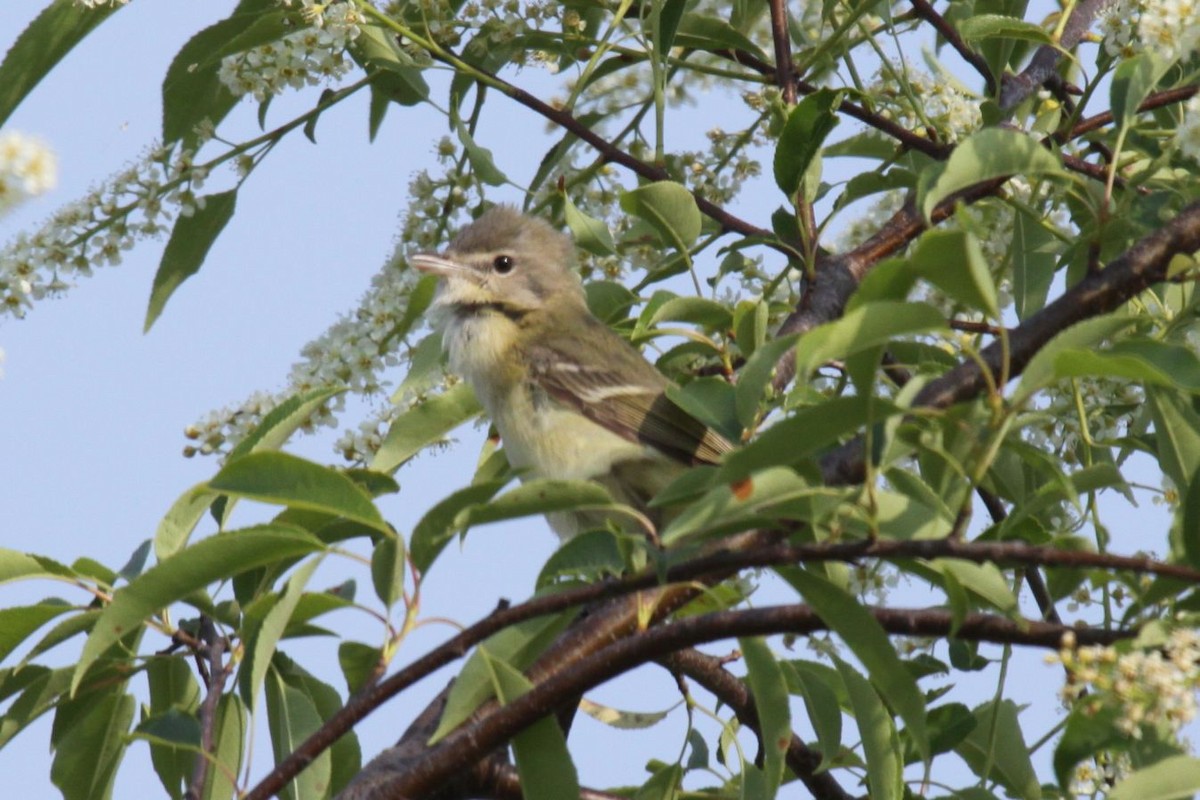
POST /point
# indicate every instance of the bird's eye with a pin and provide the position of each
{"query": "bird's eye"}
(503, 264)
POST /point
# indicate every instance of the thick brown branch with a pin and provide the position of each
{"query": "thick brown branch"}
(471, 741)
(1015, 88)
(710, 673)
(734, 555)
(1099, 293)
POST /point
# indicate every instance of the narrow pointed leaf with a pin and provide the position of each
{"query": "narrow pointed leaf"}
(190, 241)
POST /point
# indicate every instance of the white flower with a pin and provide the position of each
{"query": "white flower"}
(27, 168)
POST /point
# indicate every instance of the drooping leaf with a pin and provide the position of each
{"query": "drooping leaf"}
(954, 262)
(997, 742)
(866, 326)
(87, 756)
(262, 635)
(766, 681)
(191, 90)
(808, 123)
(291, 718)
(46, 41)
(881, 744)
(543, 761)
(190, 241)
(871, 646)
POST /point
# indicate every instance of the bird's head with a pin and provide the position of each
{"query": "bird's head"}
(504, 261)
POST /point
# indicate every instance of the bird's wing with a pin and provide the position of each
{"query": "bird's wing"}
(630, 401)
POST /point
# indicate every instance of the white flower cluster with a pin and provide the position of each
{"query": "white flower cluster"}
(97, 3)
(98, 228)
(719, 174)
(1150, 688)
(1188, 135)
(1170, 28)
(304, 58)
(940, 102)
(27, 168)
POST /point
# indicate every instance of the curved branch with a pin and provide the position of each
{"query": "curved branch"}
(472, 740)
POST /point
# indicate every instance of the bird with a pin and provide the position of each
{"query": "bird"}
(569, 397)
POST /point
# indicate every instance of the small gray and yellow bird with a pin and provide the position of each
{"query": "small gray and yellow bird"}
(570, 398)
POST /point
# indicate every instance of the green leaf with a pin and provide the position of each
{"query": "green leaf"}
(191, 90)
(755, 375)
(812, 682)
(1173, 778)
(174, 700)
(667, 207)
(997, 26)
(592, 555)
(954, 262)
(664, 784)
(1191, 520)
(395, 78)
(517, 645)
(622, 720)
(292, 717)
(543, 760)
(541, 496)
(261, 636)
(997, 742)
(20, 622)
(87, 756)
(360, 663)
(807, 126)
(881, 743)
(278, 424)
(285, 479)
(1142, 360)
(590, 233)
(185, 572)
(1034, 257)
(182, 518)
(985, 581)
(771, 701)
(985, 155)
(696, 310)
(190, 241)
(703, 32)
(1134, 79)
(868, 325)
(424, 424)
(480, 158)
(441, 523)
(870, 644)
(1041, 369)
(387, 570)
(46, 41)
(1176, 433)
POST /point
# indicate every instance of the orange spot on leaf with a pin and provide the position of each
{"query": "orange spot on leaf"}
(742, 489)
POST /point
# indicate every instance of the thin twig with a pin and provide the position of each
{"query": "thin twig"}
(782, 40)
(948, 32)
(214, 645)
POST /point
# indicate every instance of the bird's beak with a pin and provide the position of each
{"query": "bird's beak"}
(437, 265)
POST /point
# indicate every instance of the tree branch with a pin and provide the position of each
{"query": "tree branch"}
(782, 40)
(1099, 293)
(1015, 88)
(472, 740)
(214, 645)
(947, 31)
